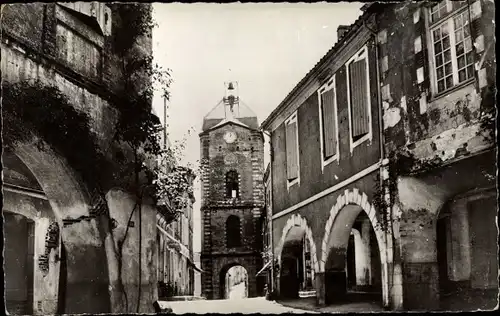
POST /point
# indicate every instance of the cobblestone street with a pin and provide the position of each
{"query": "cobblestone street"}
(238, 291)
(245, 306)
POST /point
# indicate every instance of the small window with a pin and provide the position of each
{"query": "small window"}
(359, 98)
(232, 185)
(451, 50)
(233, 235)
(292, 150)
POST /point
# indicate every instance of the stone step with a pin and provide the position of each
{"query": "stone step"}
(310, 293)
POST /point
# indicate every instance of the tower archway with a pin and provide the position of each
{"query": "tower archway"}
(234, 281)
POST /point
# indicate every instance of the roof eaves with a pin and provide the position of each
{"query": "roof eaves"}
(224, 122)
(340, 42)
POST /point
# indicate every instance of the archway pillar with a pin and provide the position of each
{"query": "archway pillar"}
(419, 203)
(86, 288)
(319, 280)
(420, 271)
(336, 276)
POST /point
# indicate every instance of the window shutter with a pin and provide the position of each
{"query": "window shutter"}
(291, 150)
(329, 123)
(359, 98)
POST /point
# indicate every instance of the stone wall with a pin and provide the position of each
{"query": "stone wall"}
(431, 124)
(57, 46)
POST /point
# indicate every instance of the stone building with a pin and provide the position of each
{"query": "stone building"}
(176, 264)
(383, 162)
(232, 197)
(59, 231)
(266, 231)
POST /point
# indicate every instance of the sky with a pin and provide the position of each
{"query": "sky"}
(266, 47)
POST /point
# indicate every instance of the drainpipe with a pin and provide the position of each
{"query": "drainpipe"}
(271, 199)
(382, 158)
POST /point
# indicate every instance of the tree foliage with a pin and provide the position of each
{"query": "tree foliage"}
(137, 126)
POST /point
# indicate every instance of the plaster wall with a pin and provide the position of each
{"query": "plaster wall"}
(121, 204)
(45, 284)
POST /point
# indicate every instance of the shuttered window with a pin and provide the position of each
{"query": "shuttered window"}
(329, 118)
(358, 99)
(292, 154)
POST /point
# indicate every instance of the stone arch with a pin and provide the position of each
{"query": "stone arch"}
(67, 196)
(298, 221)
(354, 198)
(223, 275)
(71, 205)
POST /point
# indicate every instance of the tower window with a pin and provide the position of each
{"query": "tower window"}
(232, 190)
(233, 236)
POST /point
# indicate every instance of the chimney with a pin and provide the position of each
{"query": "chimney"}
(341, 30)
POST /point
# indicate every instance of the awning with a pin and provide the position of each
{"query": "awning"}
(267, 265)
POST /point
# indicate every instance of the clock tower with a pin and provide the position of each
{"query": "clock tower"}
(232, 196)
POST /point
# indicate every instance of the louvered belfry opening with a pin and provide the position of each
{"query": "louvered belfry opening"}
(232, 186)
(233, 235)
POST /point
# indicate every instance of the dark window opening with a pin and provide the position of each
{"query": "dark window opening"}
(232, 187)
(233, 235)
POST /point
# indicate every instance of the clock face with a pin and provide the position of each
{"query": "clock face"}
(230, 137)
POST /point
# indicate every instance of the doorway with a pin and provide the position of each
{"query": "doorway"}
(19, 232)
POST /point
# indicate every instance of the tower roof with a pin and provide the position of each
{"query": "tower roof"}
(221, 113)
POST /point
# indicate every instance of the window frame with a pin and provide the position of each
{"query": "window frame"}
(289, 183)
(360, 54)
(330, 84)
(430, 26)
